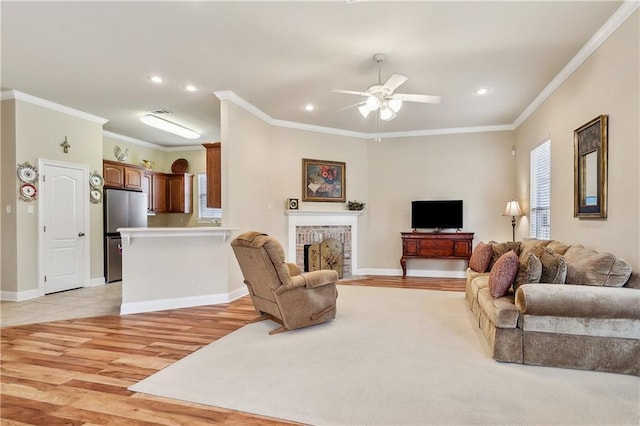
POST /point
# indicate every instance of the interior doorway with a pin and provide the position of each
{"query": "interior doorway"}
(64, 225)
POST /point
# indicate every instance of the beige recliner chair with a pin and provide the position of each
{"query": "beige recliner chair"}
(281, 290)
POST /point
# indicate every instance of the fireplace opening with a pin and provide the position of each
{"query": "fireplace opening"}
(328, 254)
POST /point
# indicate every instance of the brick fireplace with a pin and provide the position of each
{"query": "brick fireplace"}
(313, 227)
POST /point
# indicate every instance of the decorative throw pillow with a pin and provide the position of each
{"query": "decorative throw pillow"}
(554, 269)
(503, 273)
(501, 248)
(480, 257)
(557, 247)
(529, 244)
(587, 266)
(529, 271)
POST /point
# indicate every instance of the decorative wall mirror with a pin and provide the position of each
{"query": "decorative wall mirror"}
(590, 169)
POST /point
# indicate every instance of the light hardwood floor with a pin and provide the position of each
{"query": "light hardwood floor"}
(76, 371)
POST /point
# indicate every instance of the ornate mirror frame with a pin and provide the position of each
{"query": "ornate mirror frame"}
(590, 169)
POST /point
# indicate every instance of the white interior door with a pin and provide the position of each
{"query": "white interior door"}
(64, 191)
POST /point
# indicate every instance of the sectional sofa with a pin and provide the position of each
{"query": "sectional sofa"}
(588, 318)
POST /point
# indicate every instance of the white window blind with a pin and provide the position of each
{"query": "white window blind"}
(540, 191)
(205, 212)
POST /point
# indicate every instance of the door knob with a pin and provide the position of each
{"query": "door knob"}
(80, 234)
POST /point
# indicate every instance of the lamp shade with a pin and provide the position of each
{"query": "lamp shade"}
(512, 209)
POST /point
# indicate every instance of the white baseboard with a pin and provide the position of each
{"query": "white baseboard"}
(94, 282)
(412, 273)
(181, 302)
(18, 296)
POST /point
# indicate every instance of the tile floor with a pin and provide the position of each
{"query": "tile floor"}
(80, 303)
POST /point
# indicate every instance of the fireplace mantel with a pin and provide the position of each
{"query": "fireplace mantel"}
(323, 218)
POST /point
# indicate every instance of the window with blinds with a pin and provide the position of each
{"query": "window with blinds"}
(540, 191)
(205, 212)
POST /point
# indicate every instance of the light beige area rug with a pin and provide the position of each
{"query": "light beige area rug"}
(391, 357)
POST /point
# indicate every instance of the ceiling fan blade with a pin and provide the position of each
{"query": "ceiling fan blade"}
(351, 106)
(349, 92)
(394, 82)
(426, 99)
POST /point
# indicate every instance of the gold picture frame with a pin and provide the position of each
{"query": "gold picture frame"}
(590, 147)
(323, 180)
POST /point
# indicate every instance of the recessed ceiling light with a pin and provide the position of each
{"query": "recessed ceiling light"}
(155, 78)
(190, 88)
(481, 91)
(309, 107)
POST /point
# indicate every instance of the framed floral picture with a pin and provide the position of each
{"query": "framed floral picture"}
(323, 180)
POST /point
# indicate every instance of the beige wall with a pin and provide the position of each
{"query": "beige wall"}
(477, 168)
(39, 131)
(262, 167)
(8, 191)
(606, 83)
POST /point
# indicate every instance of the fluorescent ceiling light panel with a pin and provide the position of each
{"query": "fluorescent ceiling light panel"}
(168, 126)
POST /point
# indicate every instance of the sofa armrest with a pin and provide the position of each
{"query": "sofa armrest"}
(578, 301)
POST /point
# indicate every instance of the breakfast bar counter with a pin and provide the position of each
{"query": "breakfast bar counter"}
(170, 268)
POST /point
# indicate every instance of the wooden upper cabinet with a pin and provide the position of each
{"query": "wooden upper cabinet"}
(123, 176)
(180, 193)
(214, 175)
(113, 174)
(159, 192)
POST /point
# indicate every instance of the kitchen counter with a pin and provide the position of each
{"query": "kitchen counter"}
(170, 268)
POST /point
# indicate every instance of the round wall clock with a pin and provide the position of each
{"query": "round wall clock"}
(95, 180)
(27, 172)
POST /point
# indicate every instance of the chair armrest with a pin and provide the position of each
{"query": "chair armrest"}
(319, 278)
(294, 269)
(578, 301)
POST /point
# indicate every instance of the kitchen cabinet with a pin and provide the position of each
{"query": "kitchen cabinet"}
(122, 176)
(154, 184)
(214, 187)
(180, 193)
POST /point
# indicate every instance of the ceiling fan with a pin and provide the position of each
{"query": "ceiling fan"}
(381, 97)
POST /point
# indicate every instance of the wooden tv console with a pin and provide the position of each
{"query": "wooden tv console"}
(435, 245)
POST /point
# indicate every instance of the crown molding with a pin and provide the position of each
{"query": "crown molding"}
(228, 95)
(618, 18)
(14, 94)
(145, 144)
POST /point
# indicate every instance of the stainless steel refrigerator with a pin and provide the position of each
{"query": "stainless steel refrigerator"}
(122, 209)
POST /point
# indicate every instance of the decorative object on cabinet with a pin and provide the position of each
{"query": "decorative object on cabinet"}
(181, 165)
(355, 205)
(28, 192)
(323, 180)
(148, 164)
(95, 180)
(121, 155)
(292, 203)
(95, 196)
(65, 145)
(27, 173)
(513, 210)
(590, 147)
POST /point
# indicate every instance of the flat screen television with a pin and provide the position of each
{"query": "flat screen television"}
(436, 214)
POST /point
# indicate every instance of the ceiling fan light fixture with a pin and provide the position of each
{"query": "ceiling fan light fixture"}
(386, 113)
(169, 126)
(364, 110)
(395, 104)
(373, 103)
